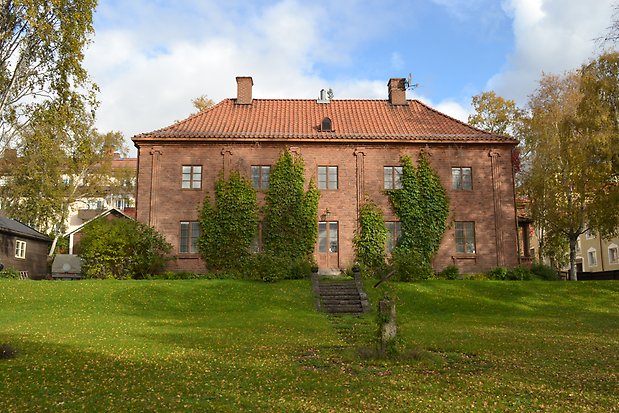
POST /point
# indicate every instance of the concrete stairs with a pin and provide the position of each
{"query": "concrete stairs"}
(340, 296)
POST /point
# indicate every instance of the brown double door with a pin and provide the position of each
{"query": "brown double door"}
(328, 244)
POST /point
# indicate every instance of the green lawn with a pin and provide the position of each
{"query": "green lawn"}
(222, 345)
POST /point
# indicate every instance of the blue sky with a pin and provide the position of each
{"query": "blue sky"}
(151, 57)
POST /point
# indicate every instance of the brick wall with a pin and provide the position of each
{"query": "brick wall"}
(163, 204)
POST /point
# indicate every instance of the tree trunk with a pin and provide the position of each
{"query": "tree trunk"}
(573, 243)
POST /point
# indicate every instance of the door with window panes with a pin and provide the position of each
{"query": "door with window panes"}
(328, 244)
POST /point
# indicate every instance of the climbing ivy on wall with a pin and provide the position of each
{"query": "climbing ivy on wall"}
(290, 223)
(422, 206)
(370, 237)
(229, 226)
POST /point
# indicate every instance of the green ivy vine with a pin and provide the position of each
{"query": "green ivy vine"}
(422, 206)
(229, 226)
(290, 226)
(371, 236)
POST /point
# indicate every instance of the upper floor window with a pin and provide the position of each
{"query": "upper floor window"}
(190, 233)
(465, 237)
(327, 177)
(192, 177)
(260, 176)
(394, 232)
(461, 179)
(392, 177)
(613, 254)
(20, 249)
(592, 257)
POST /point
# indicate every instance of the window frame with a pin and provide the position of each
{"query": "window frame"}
(192, 183)
(592, 252)
(326, 125)
(327, 181)
(458, 184)
(328, 238)
(20, 249)
(393, 182)
(393, 236)
(465, 227)
(613, 247)
(190, 241)
(262, 184)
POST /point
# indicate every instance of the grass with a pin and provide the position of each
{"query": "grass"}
(224, 345)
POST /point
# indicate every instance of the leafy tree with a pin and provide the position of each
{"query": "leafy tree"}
(202, 102)
(572, 140)
(62, 159)
(371, 237)
(495, 114)
(122, 249)
(229, 227)
(290, 225)
(41, 54)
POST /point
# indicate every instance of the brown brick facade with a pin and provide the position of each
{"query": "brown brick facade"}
(362, 137)
(490, 205)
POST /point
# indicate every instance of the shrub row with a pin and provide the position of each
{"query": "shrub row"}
(410, 266)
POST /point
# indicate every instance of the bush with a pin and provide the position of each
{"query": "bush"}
(451, 272)
(519, 274)
(122, 249)
(515, 274)
(498, 273)
(544, 272)
(409, 266)
(9, 273)
(265, 267)
(300, 268)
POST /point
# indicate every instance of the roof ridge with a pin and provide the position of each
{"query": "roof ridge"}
(458, 120)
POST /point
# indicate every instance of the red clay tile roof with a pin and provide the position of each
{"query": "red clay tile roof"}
(295, 119)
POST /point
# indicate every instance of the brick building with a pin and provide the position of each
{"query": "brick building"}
(352, 149)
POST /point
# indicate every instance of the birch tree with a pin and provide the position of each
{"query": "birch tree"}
(41, 54)
(572, 142)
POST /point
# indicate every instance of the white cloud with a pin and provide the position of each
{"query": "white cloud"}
(551, 36)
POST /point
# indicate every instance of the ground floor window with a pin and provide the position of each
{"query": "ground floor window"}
(20, 249)
(190, 232)
(592, 257)
(613, 254)
(394, 232)
(465, 237)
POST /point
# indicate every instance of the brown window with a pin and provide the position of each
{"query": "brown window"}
(260, 177)
(465, 237)
(461, 179)
(392, 177)
(190, 233)
(192, 177)
(327, 177)
(394, 232)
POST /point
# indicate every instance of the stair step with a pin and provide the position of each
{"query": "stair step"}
(340, 297)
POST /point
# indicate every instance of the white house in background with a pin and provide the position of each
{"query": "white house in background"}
(86, 209)
(594, 254)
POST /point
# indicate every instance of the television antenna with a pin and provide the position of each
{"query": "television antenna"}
(408, 83)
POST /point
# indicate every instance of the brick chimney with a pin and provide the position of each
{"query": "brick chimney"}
(397, 91)
(243, 90)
